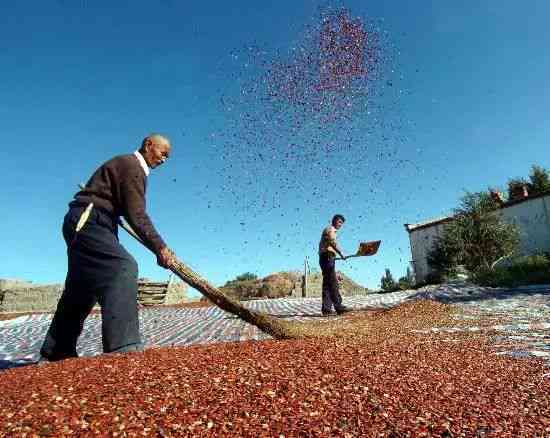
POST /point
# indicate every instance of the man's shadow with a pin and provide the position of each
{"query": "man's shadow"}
(8, 364)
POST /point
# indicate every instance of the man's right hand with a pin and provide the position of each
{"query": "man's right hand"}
(166, 257)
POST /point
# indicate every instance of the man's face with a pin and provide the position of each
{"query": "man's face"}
(338, 223)
(156, 153)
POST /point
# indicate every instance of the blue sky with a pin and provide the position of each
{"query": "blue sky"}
(83, 81)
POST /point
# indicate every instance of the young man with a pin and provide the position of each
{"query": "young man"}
(328, 249)
(99, 268)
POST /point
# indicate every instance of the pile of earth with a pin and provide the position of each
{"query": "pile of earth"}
(285, 284)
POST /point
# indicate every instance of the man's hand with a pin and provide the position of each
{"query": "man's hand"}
(166, 257)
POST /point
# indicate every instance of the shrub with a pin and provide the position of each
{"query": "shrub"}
(404, 284)
(539, 180)
(476, 237)
(515, 188)
(387, 283)
(525, 270)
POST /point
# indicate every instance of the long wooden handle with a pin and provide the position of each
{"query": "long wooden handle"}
(354, 255)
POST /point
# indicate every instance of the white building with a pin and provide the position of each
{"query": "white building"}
(531, 214)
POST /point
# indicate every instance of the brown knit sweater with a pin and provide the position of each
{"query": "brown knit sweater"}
(119, 186)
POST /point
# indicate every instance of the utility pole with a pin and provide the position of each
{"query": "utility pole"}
(305, 278)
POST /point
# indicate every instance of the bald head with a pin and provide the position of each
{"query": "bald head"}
(155, 149)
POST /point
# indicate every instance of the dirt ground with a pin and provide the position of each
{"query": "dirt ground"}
(366, 374)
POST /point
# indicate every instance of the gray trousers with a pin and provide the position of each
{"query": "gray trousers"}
(331, 293)
(100, 271)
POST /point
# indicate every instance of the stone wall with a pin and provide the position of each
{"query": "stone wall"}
(176, 293)
(315, 282)
(157, 293)
(30, 298)
(22, 296)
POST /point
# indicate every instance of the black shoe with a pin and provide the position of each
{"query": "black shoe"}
(342, 310)
(47, 357)
(328, 313)
(42, 361)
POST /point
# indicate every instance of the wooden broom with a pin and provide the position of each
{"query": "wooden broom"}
(272, 326)
(275, 327)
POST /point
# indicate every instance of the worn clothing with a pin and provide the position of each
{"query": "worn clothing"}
(100, 271)
(142, 163)
(331, 293)
(328, 241)
(118, 187)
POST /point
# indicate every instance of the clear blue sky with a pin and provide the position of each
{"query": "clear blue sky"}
(82, 81)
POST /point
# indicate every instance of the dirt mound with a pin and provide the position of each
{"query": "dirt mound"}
(286, 284)
(277, 285)
(347, 285)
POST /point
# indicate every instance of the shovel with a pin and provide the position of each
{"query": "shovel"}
(365, 249)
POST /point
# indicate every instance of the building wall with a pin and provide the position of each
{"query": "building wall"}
(532, 217)
(422, 241)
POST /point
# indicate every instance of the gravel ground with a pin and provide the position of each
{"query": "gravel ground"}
(454, 360)
(371, 373)
(517, 321)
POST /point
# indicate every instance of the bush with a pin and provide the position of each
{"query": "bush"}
(476, 237)
(539, 180)
(387, 283)
(443, 258)
(404, 283)
(247, 276)
(515, 188)
(434, 278)
(523, 271)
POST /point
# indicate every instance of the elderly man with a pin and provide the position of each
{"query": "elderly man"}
(328, 249)
(100, 270)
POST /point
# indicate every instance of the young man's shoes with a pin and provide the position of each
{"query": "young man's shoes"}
(342, 310)
(328, 312)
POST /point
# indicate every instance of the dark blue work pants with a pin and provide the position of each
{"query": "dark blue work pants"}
(100, 271)
(331, 293)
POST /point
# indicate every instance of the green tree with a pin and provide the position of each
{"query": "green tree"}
(387, 283)
(246, 276)
(407, 281)
(410, 276)
(243, 277)
(444, 256)
(516, 185)
(476, 237)
(404, 283)
(539, 180)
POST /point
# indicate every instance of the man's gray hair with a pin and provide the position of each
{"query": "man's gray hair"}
(154, 137)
